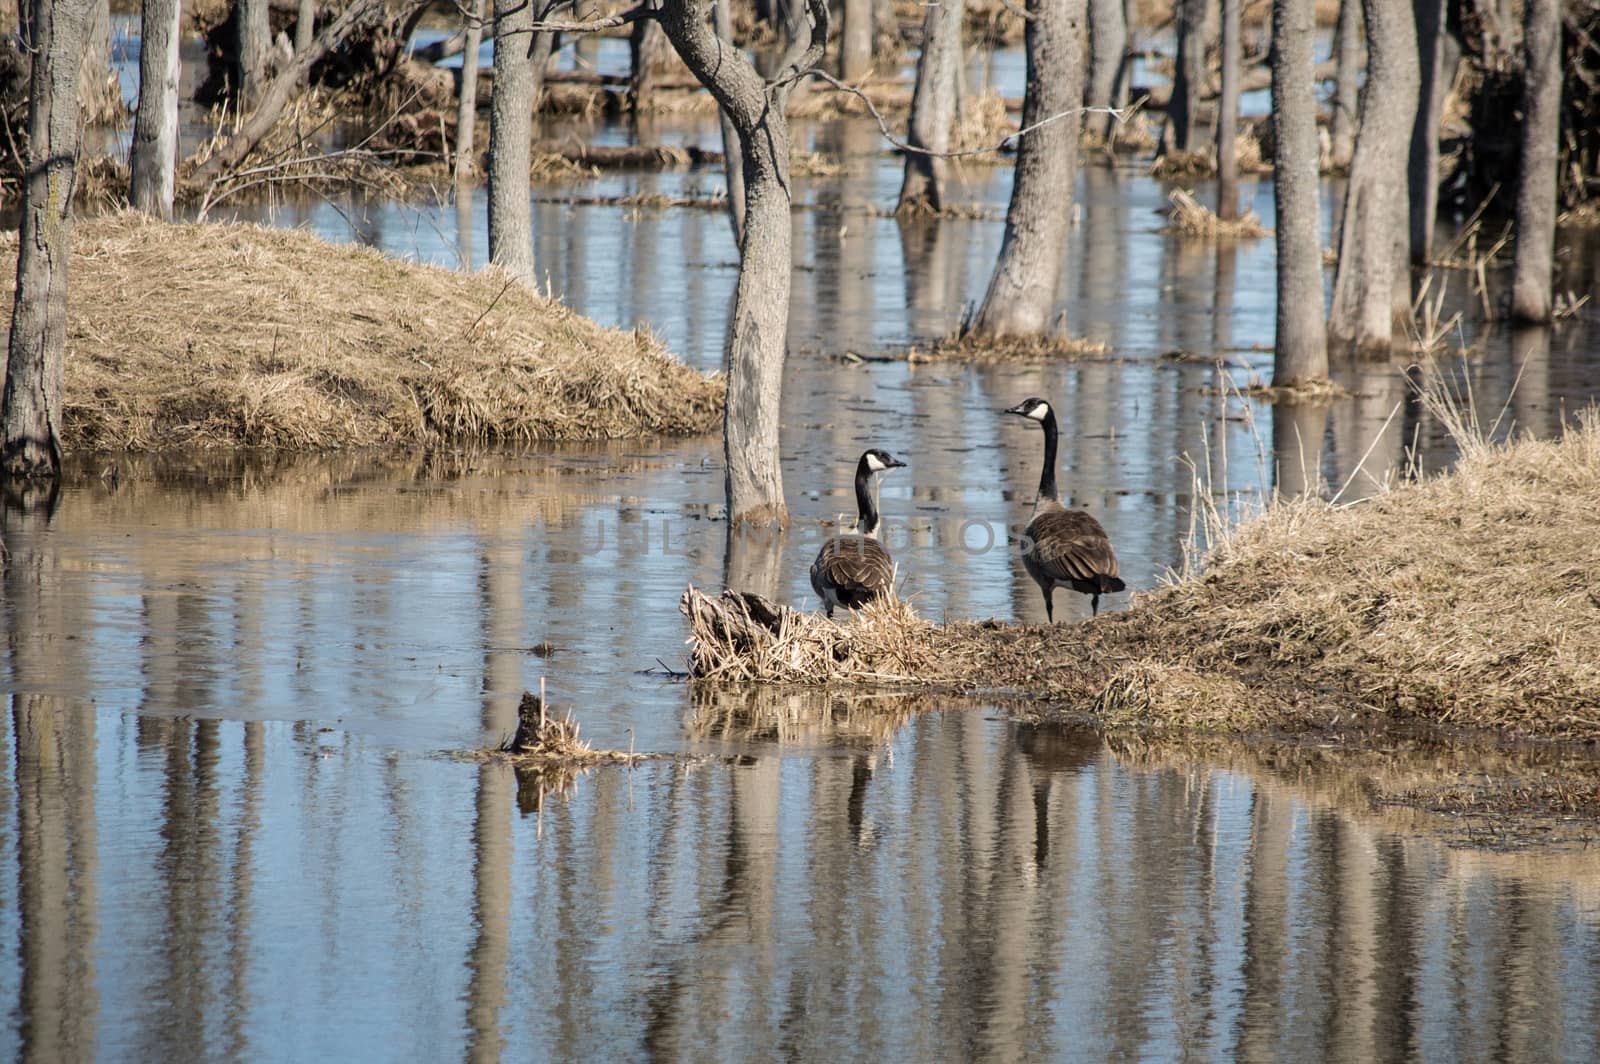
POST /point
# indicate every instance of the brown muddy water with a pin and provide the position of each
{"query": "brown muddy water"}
(233, 825)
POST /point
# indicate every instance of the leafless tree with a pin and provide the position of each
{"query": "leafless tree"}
(1301, 349)
(1371, 287)
(305, 25)
(758, 332)
(1022, 290)
(1189, 74)
(1347, 83)
(933, 107)
(254, 42)
(519, 60)
(1108, 45)
(649, 53)
(757, 335)
(1228, 113)
(154, 155)
(30, 414)
(732, 158)
(855, 40)
(467, 98)
(1436, 52)
(1536, 190)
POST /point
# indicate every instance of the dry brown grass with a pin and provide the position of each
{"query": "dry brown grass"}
(968, 347)
(984, 122)
(202, 335)
(1466, 599)
(1190, 217)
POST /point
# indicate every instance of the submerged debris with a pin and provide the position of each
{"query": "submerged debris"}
(543, 739)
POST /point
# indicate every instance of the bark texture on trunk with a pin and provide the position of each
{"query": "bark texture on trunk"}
(154, 156)
(855, 40)
(758, 332)
(305, 25)
(1536, 191)
(1189, 74)
(933, 107)
(1022, 290)
(1435, 73)
(732, 157)
(1370, 287)
(30, 413)
(467, 98)
(1301, 350)
(254, 39)
(1228, 113)
(518, 77)
(99, 93)
(1347, 83)
(1108, 43)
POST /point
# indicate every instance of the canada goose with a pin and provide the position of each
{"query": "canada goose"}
(1065, 548)
(852, 570)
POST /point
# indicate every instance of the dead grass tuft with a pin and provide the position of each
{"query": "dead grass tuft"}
(969, 347)
(1189, 217)
(226, 335)
(984, 122)
(1183, 165)
(742, 636)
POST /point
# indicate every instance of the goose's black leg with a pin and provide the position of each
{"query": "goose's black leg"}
(1049, 607)
(1094, 604)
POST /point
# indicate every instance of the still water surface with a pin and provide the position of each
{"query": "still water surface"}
(233, 823)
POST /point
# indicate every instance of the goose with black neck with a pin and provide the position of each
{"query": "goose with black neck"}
(1063, 547)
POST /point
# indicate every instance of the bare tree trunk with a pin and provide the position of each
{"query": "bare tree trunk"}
(758, 333)
(1189, 75)
(732, 157)
(650, 51)
(1108, 44)
(30, 415)
(855, 40)
(1434, 81)
(1370, 286)
(1536, 190)
(1023, 289)
(1301, 350)
(516, 86)
(933, 107)
(99, 93)
(1347, 83)
(1228, 113)
(254, 40)
(305, 25)
(467, 99)
(154, 155)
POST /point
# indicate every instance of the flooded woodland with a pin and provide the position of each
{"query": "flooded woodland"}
(242, 811)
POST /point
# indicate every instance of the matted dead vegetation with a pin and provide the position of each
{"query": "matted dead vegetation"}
(970, 347)
(228, 335)
(1189, 217)
(1468, 599)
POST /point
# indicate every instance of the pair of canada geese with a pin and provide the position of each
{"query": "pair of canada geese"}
(1064, 548)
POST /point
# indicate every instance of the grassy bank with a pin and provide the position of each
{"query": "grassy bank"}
(207, 335)
(1470, 599)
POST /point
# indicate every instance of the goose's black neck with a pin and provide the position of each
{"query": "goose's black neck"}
(1047, 476)
(866, 506)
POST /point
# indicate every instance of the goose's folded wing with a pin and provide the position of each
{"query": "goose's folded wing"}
(1071, 545)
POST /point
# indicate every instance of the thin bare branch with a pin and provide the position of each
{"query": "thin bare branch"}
(1121, 114)
(609, 22)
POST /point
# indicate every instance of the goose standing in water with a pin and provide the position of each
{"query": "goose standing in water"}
(852, 570)
(1066, 548)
